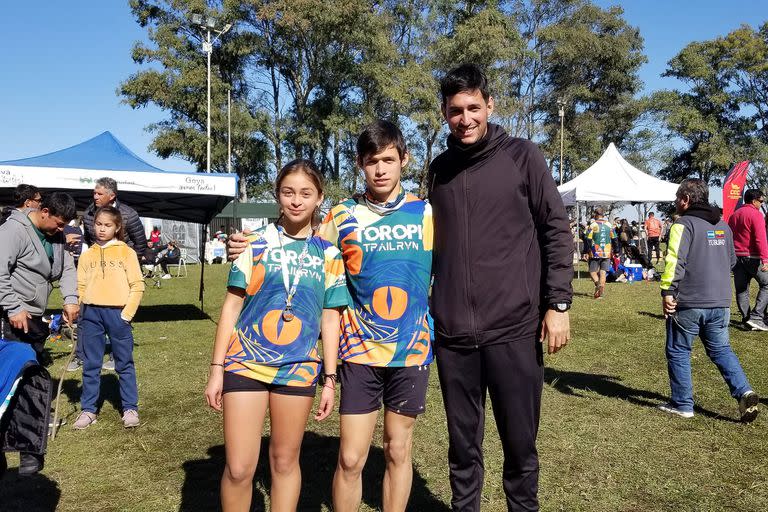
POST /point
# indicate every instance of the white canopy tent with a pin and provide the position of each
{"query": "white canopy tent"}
(614, 180)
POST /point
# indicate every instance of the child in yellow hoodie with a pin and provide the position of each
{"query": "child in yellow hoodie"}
(110, 286)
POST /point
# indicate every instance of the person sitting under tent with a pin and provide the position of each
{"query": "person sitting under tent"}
(170, 256)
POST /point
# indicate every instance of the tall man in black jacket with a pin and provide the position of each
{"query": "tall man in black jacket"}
(502, 284)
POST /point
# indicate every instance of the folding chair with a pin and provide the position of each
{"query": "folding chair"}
(155, 273)
(182, 263)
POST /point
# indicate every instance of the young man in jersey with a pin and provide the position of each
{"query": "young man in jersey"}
(601, 234)
(385, 238)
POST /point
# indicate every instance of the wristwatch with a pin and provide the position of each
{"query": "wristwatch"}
(560, 307)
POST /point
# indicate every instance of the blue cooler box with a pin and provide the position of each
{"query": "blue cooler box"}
(634, 271)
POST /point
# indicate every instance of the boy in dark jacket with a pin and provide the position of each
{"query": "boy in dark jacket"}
(502, 283)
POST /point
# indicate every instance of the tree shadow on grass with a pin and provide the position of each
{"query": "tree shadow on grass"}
(36, 493)
(109, 392)
(575, 383)
(169, 313)
(200, 491)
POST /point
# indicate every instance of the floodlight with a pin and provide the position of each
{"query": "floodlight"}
(210, 22)
(197, 19)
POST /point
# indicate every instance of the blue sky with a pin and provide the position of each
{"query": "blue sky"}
(62, 62)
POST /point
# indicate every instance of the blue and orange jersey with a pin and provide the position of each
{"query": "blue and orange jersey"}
(263, 345)
(388, 261)
(601, 233)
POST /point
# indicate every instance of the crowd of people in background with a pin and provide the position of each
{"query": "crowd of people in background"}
(620, 251)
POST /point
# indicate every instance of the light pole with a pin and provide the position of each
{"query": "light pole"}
(229, 129)
(209, 25)
(561, 113)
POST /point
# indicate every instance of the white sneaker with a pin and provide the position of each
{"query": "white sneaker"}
(166, 276)
(671, 409)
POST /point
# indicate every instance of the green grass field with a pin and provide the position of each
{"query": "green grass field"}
(603, 446)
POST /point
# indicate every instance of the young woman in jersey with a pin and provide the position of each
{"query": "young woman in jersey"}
(284, 290)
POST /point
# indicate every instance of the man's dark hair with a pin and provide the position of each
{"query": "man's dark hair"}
(464, 78)
(696, 190)
(23, 193)
(377, 137)
(60, 204)
(752, 194)
(650, 214)
(107, 183)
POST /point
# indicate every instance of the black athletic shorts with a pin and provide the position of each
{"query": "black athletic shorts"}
(235, 382)
(598, 264)
(403, 389)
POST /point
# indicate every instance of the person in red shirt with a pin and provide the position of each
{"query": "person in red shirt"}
(653, 230)
(749, 240)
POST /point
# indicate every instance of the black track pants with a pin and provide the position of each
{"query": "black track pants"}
(513, 374)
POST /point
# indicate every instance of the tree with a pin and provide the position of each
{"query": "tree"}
(723, 116)
(591, 58)
(175, 81)
(307, 75)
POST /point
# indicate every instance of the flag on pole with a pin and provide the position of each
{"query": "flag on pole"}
(734, 187)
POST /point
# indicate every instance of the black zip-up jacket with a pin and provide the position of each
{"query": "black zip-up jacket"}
(503, 250)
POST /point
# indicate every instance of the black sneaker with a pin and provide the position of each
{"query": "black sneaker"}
(748, 406)
(30, 463)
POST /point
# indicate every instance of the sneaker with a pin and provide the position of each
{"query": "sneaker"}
(30, 463)
(130, 418)
(748, 406)
(166, 276)
(85, 420)
(109, 364)
(75, 364)
(600, 291)
(671, 409)
(597, 291)
(757, 324)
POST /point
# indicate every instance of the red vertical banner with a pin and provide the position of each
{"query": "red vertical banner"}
(733, 187)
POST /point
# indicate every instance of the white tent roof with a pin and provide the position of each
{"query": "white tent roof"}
(614, 180)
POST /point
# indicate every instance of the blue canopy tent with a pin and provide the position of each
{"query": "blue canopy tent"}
(152, 192)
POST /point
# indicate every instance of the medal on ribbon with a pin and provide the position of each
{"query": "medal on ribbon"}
(290, 288)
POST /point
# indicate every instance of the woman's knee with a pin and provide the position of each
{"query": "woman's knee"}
(239, 472)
